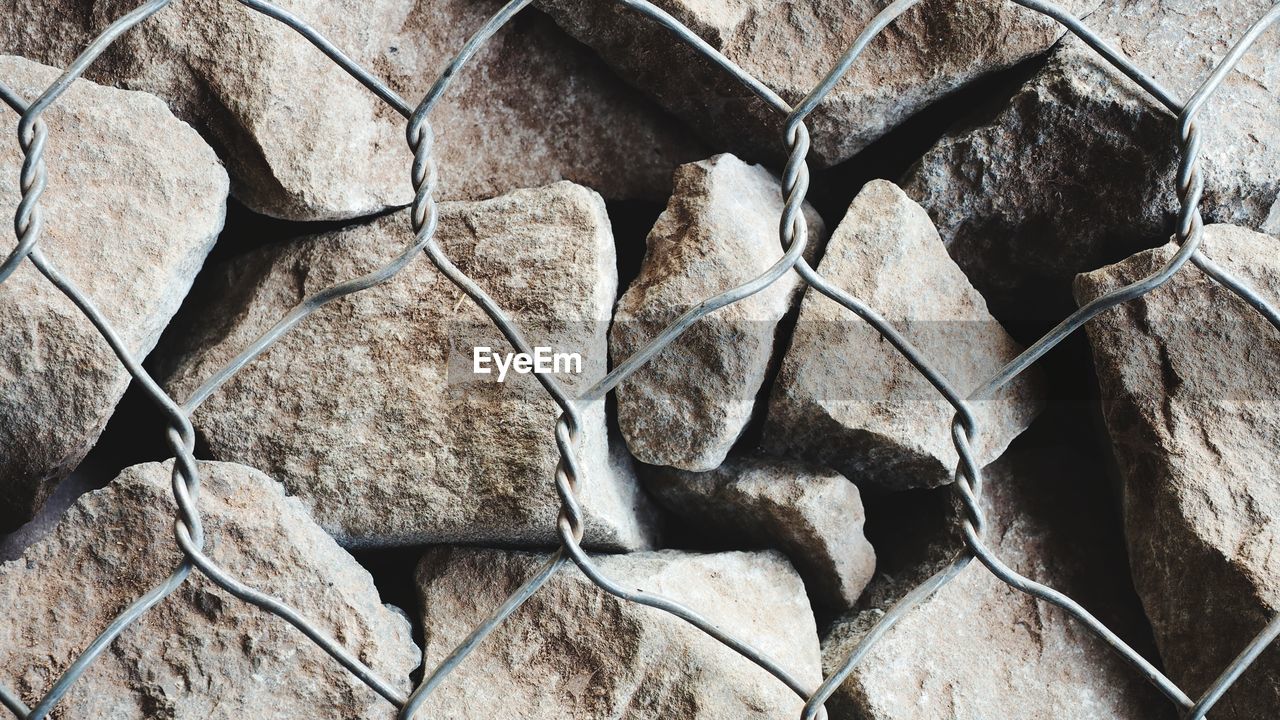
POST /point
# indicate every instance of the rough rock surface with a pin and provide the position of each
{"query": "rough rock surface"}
(929, 52)
(1076, 171)
(201, 653)
(573, 651)
(134, 202)
(1189, 377)
(978, 647)
(377, 421)
(532, 108)
(845, 398)
(813, 515)
(689, 404)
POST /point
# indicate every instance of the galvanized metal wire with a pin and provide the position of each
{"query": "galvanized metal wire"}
(188, 531)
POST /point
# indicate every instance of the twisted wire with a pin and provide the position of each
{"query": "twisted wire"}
(28, 224)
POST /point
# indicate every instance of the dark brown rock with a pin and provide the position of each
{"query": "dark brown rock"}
(1077, 170)
(1189, 376)
(930, 51)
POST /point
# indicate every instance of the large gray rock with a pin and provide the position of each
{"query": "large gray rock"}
(375, 418)
(573, 651)
(134, 202)
(1189, 377)
(305, 141)
(929, 52)
(689, 404)
(845, 398)
(201, 654)
(1076, 171)
(812, 514)
(978, 647)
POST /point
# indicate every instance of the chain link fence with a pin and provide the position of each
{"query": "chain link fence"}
(188, 532)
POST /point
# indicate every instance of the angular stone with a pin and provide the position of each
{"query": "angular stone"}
(305, 141)
(1189, 376)
(979, 647)
(928, 53)
(812, 514)
(1077, 170)
(378, 423)
(689, 404)
(573, 651)
(201, 653)
(133, 204)
(845, 398)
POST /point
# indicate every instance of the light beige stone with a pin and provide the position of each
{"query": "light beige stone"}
(305, 141)
(978, 647)
(812, 514)
(201, 654)
(133, 204)
(369, 410)
(692, 401)
(847, 399)
(573, 651)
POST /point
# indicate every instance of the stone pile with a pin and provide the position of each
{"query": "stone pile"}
(390, 466)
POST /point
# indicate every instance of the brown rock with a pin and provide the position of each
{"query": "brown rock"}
(691, 402)
(978, 647)
(377, 421)
(133, 204)
(572, 651)
(813, 515)
(1077, 170)
(929, 52)
(201, 653)
(1189, 378)
(845, 398)
(305, 141)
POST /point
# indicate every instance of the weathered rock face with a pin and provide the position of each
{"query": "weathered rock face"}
(201, 653)
(813, 515)
(573, 651)
(689, 404)
(845, 398)
(978, 647)
(928, 53)
(378, 422)
(1077, 170)
(1189, 384)
(134, 202)
(317, 145)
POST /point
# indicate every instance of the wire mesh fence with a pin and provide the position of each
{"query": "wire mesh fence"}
(188, 530)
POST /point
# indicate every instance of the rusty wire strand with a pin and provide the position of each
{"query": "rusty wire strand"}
(28, 224)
